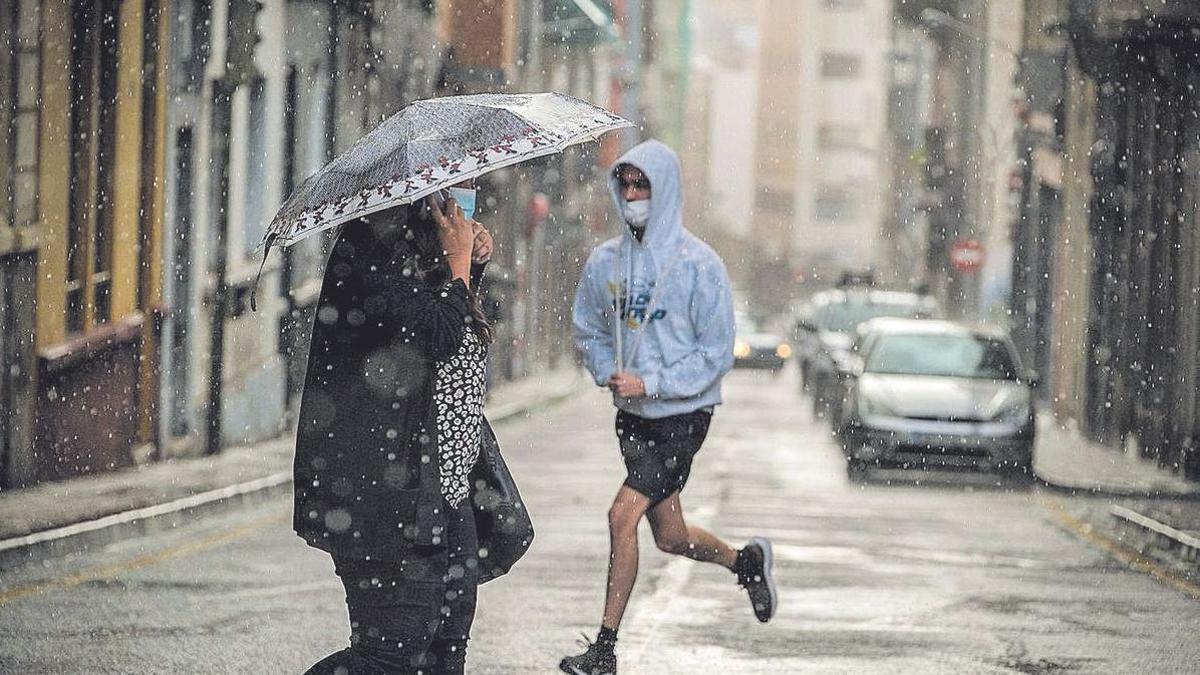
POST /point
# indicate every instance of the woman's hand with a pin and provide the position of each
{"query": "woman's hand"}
(482, 248)
(456, 234)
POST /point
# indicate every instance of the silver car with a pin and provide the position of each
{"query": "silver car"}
(936, 394)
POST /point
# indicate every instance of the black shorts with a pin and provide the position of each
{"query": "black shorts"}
(658, 452)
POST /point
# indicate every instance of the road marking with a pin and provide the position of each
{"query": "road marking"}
(110, 571)
(150, 512)
(1135, 560)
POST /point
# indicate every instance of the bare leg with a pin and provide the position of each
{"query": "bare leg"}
(673, 535)
(627, 510)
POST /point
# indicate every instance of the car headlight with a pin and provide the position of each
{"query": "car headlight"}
(783, 351)
(1013, 413)
(741, 349)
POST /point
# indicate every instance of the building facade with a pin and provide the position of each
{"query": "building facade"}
(820, 146)
(1143, 332)
(969, 152)
(1108, 273)
(147, 144)
(80, 276)
(20, 120)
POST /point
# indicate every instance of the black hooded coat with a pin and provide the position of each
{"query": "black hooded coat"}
(366, 465)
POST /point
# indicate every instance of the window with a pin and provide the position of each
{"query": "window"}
(181, 268)
(309, 95)
(834, 204)
(967, 356)
(20, 27)
(94, 55)
(838, 137)
(256, 167)
(836, 65)
(774, 201)
(190, 40)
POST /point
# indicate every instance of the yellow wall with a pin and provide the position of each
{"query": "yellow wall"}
(127, 165)
(54, 173)
(1072, 267)
(55, 170)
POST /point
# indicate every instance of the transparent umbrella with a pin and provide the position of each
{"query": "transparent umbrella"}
(432, 144)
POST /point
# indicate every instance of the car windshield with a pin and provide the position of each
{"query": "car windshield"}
(745, 325)
(942, 356)
(844, 317)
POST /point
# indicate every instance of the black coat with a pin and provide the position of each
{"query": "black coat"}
(366, 465)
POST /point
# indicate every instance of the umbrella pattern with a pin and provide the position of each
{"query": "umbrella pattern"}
(432, 144)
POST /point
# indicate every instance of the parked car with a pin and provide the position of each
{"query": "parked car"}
(825, 331)
(754, 347)
(936, 393)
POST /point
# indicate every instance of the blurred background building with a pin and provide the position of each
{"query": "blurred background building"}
(1032, 163)
(146, 145)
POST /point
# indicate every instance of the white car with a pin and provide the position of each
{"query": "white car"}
(937, 394)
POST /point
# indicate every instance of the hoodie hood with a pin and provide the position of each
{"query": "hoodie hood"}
(661, 166)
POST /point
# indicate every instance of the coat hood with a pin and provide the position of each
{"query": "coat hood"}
(661, 166)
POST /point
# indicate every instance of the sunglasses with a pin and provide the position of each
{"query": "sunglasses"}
(640, 184)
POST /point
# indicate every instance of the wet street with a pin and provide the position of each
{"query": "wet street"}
(907, 574)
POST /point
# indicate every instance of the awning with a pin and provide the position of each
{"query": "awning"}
(578, 21)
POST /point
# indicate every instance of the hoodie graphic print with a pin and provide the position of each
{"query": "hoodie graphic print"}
(684, 348)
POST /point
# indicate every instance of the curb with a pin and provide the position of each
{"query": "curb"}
(1045, 421)
(63, 541)
(1066, 487)
(1167, 541)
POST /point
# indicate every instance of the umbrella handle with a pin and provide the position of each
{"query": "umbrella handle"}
(617, 327)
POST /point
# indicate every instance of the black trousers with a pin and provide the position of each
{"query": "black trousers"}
(414, 615)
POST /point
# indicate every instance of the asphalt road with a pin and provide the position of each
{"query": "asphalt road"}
(910, 573)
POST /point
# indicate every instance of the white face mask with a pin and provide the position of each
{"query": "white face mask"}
(636, 214)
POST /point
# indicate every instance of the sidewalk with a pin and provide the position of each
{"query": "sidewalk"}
(56, 519)
(1141, 506)
(1065, 460)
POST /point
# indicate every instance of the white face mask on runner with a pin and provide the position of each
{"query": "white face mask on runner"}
(636, 214)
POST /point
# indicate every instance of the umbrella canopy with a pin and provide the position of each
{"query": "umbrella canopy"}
(430, 145)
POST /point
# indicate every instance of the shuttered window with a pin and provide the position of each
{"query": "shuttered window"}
(94, 59)
(20, 61)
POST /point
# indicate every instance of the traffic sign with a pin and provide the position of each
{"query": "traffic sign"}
(966, 255)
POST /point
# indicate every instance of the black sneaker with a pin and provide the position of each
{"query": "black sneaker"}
(597, 660)
(754, 574)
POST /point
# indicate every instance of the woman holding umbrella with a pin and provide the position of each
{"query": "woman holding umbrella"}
(391, 420)
(390, 423)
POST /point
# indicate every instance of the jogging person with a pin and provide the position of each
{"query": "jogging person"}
(653, 320)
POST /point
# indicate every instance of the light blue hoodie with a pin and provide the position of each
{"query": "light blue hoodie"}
(688, 343)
